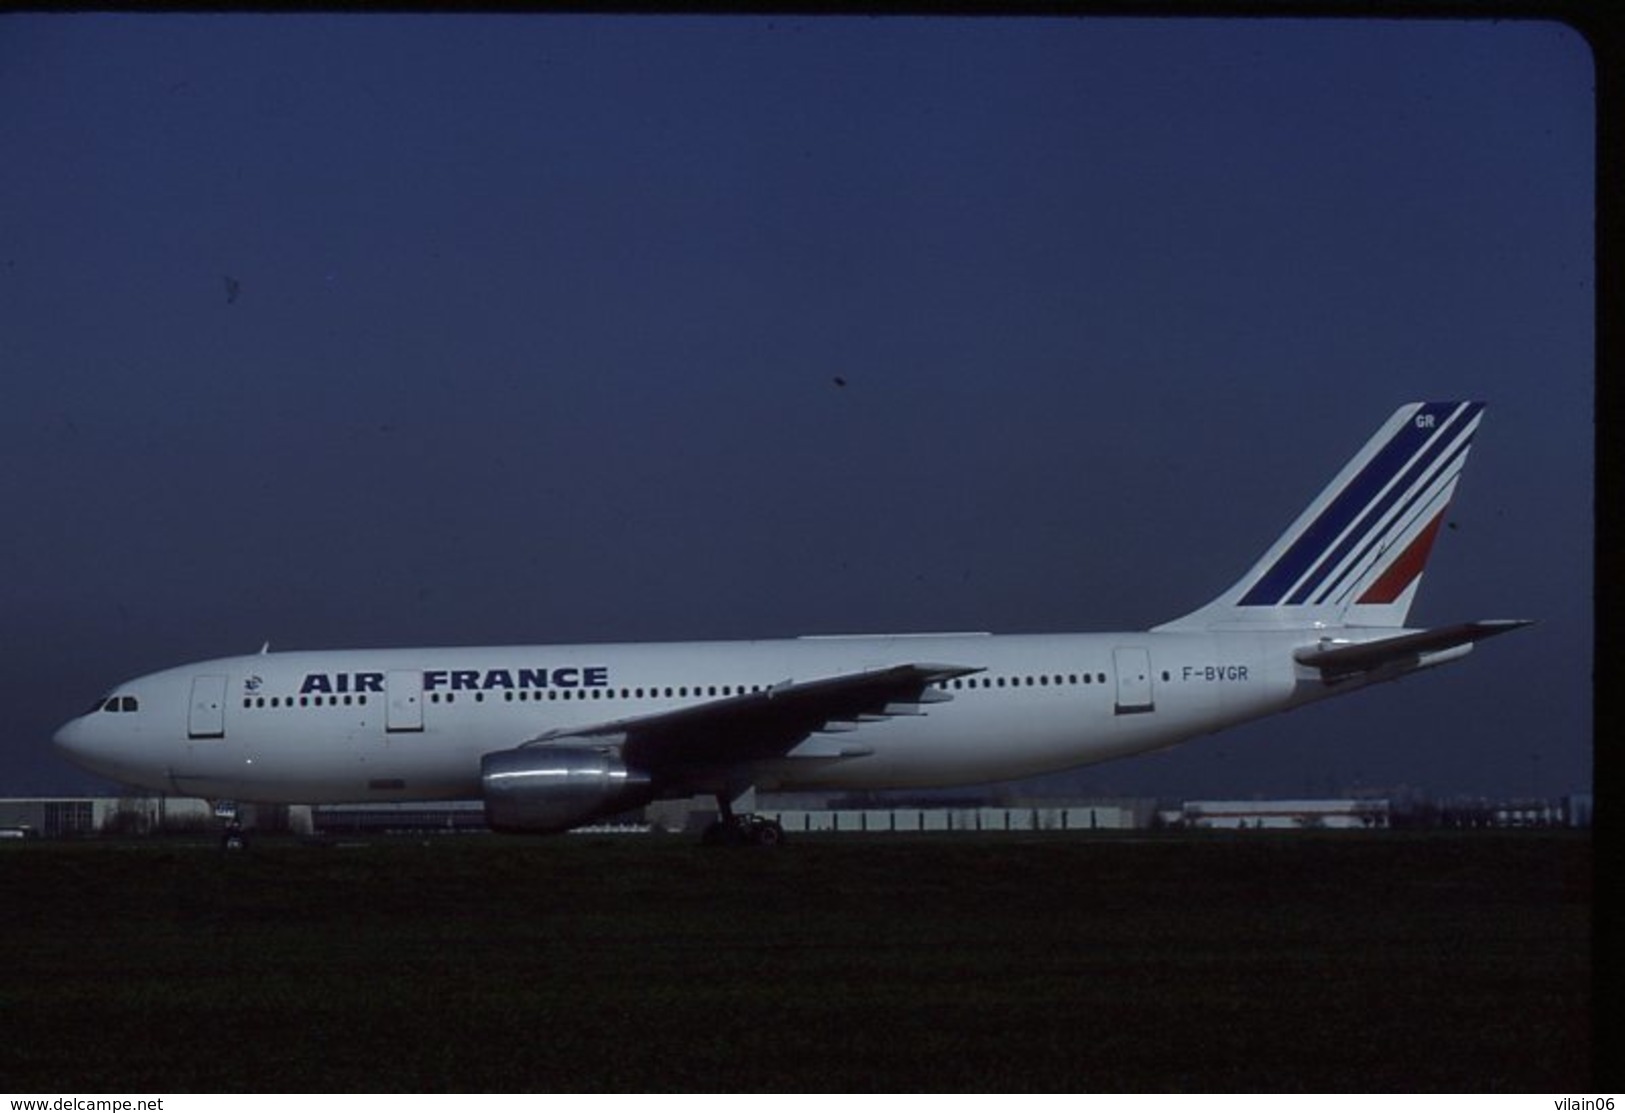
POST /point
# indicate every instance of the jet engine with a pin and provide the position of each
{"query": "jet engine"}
(545, 789)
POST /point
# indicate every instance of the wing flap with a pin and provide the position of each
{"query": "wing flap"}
(776, 721)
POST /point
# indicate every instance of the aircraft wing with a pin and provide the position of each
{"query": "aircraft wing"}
(766, 724)
(1337, 661)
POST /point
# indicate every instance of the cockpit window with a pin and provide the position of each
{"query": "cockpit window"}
(128, 703)
(117, 703)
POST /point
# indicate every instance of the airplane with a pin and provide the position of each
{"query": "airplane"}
(556, 737)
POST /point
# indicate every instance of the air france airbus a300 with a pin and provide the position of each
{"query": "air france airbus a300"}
(554, 737)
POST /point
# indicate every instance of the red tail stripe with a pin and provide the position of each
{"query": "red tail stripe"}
(1400, 574)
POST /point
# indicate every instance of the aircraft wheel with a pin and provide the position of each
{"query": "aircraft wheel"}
(745, 830)
(767, 832)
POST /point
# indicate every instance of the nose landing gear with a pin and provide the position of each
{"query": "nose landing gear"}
(231, 828)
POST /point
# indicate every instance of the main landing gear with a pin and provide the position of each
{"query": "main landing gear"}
(729, 829)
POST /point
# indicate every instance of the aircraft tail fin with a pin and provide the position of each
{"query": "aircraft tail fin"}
(1355, 556)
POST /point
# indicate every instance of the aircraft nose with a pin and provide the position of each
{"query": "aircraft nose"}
(68, 738)
(76, 741)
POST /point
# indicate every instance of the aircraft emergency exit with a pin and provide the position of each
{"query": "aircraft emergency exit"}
(554, 737)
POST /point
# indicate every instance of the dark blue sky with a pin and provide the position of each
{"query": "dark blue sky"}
(533, 324)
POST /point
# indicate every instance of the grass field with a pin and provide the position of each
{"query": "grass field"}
(1363, 962)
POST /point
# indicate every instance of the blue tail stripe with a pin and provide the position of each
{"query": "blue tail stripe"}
(1352, 502)
(1363, 531)
(1403, 518)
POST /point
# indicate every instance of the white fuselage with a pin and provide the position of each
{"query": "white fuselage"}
(552, 736)
(412, 724)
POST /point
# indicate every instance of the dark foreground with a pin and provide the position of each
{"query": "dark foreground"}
(1232, 962)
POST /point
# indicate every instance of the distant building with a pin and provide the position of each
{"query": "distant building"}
(449, 816)
(63, 817)
(1573, 810)
(1331, 815)
(69, 817)
(1578, 809)
(47, 816)
(1090, 817)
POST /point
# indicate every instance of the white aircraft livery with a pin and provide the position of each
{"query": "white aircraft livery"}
(554, 737)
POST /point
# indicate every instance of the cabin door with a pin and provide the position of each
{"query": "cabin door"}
(405, 700)
(206, 715)
(1133, 681)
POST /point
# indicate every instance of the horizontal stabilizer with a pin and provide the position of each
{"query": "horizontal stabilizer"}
(1344, 660)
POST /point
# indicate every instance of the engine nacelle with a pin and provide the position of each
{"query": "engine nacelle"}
(554, 788)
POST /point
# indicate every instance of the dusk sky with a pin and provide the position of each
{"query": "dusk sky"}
(408, 330)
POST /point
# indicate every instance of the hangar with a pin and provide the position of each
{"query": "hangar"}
(86, 816)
